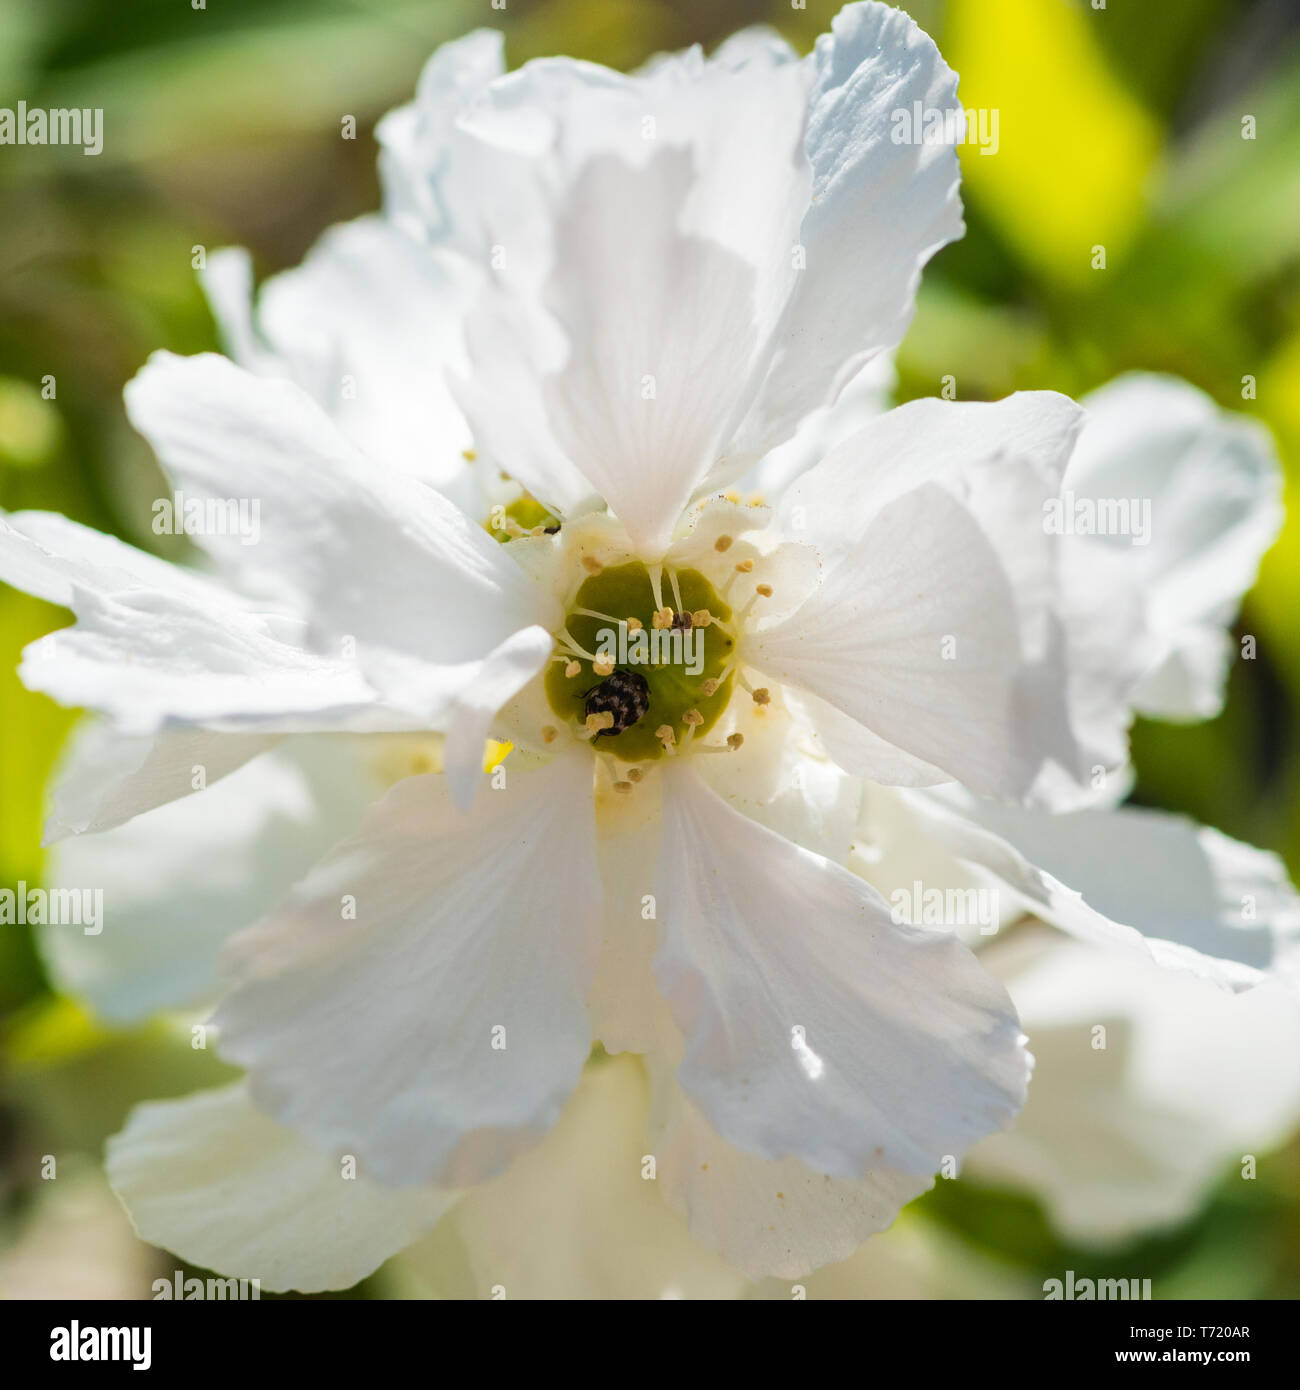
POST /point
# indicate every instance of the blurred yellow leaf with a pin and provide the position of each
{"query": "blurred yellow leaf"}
(52, 1030)
(1074, 150)
(32, 729)
(1273, 602)
(30, 427)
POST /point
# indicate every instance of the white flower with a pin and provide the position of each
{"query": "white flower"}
(472, 922)
(647, 340)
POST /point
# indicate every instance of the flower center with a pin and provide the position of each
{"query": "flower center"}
(643, 667)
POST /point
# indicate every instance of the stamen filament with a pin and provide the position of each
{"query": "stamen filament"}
(677, 591)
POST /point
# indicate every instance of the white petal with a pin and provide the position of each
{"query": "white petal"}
(532, 133)
(915, 634)
(878, 211)
(429, 173)
(149, 659)
(927, 440)
(155, 644)
(769, 1218)
(1003, 462)
(214, 1181)
(377, 1030)
(861, 401)
(368, 325)
(756, 45)
(1154, 885)
(851, 744)
(781, 161)
(500, 676)
(179, 880)
(816, 1027)
(627, 1011)
(227, 282)
(1213, 486)
(897, 853)
(362, 546)
(365, 544)
(780, 778)
(657, 361)
(577, 1217)
(45, 554)
(104, 780)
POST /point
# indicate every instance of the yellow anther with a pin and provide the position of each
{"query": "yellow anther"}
(597, 722)
(762, 696)
(665, 735)
(732, 496)
(710, 687)
(634, 774)
(722, 543)
(663, 618)
(603, 666)
(634, 624)
(765, 590)
(623, 787)
(572, 669)
(744, 567)
(469, 455)
(693, 716)
(701, 617)
(734, 741)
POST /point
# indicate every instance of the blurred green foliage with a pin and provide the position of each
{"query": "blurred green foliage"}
(1120, 126)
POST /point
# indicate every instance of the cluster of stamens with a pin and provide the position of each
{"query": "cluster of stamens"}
(644, 663)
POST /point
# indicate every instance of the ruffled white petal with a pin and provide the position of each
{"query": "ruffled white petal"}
(368, 325)
(815, 1026)
(156, 645)
(745, 225)
(657, 360)
(420, 999)
(929, 440)
(432, 180)
(878, 210)
(105, 780)
(941, 591)
(46, 554)
(180, 879)
(1212, 484)
(211, 1179)
(361, 547)
(1154, 885)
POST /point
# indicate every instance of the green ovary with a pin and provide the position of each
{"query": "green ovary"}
(527, 511)
(624, 591)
